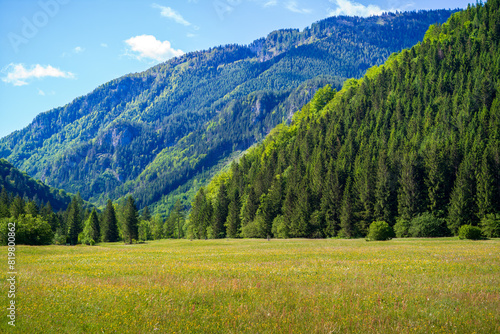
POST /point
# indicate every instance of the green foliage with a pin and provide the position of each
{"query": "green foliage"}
(109, 224)
(415, 141)
(469, 232)
(91, 230)
(148, 134)
(74, 220)
(28, 229)
(402, 228)
(426, 225)
(19, 184)
(131, 221)
(380, 230)
(490, 225)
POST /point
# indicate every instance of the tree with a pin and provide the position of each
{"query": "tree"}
(146, 215)
(346, 215)
(17, 207)
(178, 215)
(220, 212)
(31, 208)
(74, 220)
(233, 223)
(91, 232)
(109, 230)
(409, 192)
(131, 221)
(461, 210)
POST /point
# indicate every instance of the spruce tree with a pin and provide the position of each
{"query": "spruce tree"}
(94, 226)
(131, 221)
(109, 230)
(233, 223)
(73, 221)
(220, 212)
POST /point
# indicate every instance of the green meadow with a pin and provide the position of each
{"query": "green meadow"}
(258, 286)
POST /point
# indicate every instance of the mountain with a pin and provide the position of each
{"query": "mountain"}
(415, 143)
(166, 131)
(17, 183)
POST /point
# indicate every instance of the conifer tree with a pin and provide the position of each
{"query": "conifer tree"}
(73, 220)
(131, 221)
(146, 214)
(109, 230)
(220, 212)
(461, 210)
(346, 214)
(17, 207)
(233, 223)
(91, 230)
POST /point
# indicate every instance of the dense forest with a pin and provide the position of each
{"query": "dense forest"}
(414, 143)
(161, 134)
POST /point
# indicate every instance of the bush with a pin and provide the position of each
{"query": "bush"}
(380, 230)
(29, 230)
(491, 225)
(253, 229)
(428, 226)
(469, 232)
(402, 228)
(280, 228)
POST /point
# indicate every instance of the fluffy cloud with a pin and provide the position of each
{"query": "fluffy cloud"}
(147, 46)
(78, 49)
(18, 75)
(345, 7)
(294, 7)
(171, 14)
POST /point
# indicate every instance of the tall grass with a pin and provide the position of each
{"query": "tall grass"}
(259, 286)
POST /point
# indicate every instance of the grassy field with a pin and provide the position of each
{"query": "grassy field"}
(259, 286)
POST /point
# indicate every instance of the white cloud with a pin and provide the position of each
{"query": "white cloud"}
(18, 75)
(270, 3)
(191, 35)
(171, 14)
(147, 46)
(41, 92)
(78, 49)
(104, 45)
(345, 7)
(294, 7)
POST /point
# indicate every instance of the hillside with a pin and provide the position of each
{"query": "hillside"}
(171, 127)
(415, 143)
(17, 183)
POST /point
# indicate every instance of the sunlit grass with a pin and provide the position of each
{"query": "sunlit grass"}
(256, 286)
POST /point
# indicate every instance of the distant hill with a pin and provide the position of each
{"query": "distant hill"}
(415, 141)
(166, 131)
(18, 183)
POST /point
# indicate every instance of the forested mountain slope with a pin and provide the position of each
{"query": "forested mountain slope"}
(17, 183)
(416, 138)
(149, 133)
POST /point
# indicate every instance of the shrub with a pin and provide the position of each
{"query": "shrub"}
(402, 228)
(469, 232)
(253, 229)
(29, 230)
(491, 225)
(380, 230)
(427, 225)
(280, 228)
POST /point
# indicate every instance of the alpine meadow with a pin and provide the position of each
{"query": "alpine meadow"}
(343, 178)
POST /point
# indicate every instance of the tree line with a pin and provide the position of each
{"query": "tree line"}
(82, 224)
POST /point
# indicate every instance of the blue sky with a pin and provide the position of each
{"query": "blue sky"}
(53, 51)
